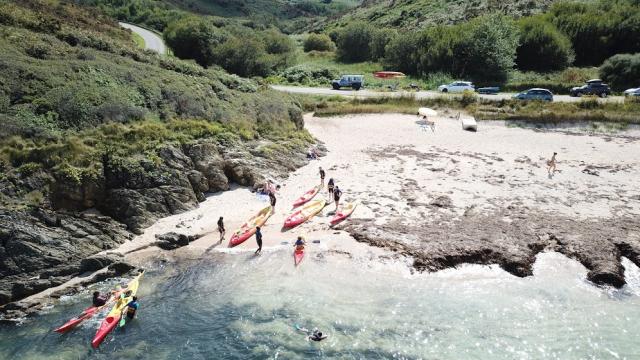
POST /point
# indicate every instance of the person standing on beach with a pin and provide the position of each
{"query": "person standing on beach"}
(330, 186)
(336, 196)
(551, 164)
(321, 176)
(221, 228)
(258, 240)
(272, 199)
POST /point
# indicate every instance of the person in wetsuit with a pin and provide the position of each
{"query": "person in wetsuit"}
(272, 199)
(336, 196)
(317, 335)
(132, 307)
(322, 176)
(99, 299)
(330, 186)
(258, 240)
(221, 228)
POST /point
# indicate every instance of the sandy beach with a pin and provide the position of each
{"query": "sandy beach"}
(406, 179)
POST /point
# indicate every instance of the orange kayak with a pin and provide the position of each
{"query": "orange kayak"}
(249, 228)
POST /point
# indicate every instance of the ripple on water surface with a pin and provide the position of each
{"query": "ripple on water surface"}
(240, 306)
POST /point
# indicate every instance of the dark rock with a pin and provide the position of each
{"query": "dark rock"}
(442, 201)
(121, 268)
(99, 261)
(172, 240)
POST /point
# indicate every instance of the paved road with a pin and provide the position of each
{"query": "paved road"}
(152, 41)
(418, 95)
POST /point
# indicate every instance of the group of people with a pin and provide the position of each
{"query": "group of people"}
(130, 308)
(332, 188)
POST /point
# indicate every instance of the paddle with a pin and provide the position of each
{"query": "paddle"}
(123, 320)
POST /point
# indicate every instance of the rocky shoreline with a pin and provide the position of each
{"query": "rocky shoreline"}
(46, 246)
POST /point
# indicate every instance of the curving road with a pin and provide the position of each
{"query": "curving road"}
(152, 41)
(418, 94)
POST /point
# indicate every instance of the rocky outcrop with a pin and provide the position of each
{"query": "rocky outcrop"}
(513, 244)
(44, 245)
(172, 240)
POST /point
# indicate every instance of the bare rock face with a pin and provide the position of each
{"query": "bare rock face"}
(46, 245)
(487, 239)
(172, 240)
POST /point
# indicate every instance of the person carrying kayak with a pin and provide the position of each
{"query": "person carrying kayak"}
(330, 186)
(300, 243)
(221, 228)
(99, 299)
(321, 176)
(258, 240)
(132, 307)
(336, 196)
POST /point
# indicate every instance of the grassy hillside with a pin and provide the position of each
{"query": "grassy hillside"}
(413, 14)
(74, 86)
(288, 15)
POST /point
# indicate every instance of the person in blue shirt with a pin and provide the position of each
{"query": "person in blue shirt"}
(300, 243)
(132, 307)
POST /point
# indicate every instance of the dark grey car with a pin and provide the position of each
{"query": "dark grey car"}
(535, 94)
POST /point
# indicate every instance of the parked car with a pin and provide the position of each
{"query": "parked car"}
(353, 81)
(491, 90)
(632, 92)
(592, 87)
(535, 94)
(457, 86)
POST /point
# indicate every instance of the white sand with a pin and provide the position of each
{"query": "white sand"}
(465, 168)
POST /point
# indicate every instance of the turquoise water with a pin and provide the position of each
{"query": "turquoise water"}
(240, 306)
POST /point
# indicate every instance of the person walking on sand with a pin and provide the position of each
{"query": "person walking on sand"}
(330, 186)
(321, 176)
(336, 196)
(551, 164)
(221, 228)
(258, 240)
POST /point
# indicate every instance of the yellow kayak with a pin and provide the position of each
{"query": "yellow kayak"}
(249, 228)
(112, 319)
(305, 213)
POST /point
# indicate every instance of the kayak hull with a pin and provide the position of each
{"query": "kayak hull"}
(105, 328)
(71, 324)
(249, 228)
(343, 213)
(304, 214)
(307, 196)
(298, 255)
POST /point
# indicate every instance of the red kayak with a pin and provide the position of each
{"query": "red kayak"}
(304, 213)
(307, 196)
(388, 74)
(298, 255)
(344, 212)
(86, 314)
(249, 228)
(114, 316)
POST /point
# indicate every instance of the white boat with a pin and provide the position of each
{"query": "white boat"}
(468, 123)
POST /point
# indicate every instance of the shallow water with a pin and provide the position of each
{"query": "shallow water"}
(240, 306)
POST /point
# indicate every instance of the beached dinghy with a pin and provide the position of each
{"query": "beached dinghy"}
(249, 228)
(305, 213)
(468, 123)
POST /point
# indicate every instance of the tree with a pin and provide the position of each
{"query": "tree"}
(194, 38)
(354, 41)
(542, 46)
(318, 42)
(379, 40)
(621, 71)
(401, 54)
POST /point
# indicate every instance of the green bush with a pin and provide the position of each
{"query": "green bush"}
(306, 75)
(542, 46)
(318, 42)
(379, 40)
(599, 29)
(622, 71)
(195, 38)
(354, 41)
(401, 53)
